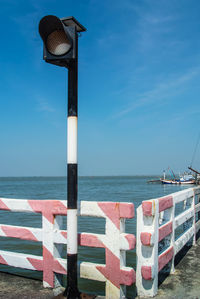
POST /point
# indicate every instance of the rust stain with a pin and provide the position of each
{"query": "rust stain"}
(154, 207)
(117, 206)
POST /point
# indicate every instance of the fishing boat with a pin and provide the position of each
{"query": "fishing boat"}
(178, 182)
(186, 178)
(169, 181)
(166, 181)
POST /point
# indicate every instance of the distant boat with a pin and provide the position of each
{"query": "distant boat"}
(166, 181)
(184, 179)
(187, 178)
(177, 182)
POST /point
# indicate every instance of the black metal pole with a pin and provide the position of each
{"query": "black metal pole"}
(71, 290)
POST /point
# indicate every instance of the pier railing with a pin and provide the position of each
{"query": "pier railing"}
(164, 227)
(115, 241)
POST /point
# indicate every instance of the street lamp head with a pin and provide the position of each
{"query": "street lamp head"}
(60, 39)
(56, 39)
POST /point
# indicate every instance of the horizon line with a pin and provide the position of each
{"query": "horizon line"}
(64, 176)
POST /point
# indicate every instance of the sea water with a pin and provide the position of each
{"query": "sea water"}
(132, 189)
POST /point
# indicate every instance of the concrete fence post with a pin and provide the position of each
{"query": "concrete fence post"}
(194, 217)
(147, 248)
(197, 209)
(58, 251)
(172, 240)
(48, 245)
(116, 242)
(113, 235)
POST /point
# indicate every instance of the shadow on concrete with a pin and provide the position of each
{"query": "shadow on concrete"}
(165, 272)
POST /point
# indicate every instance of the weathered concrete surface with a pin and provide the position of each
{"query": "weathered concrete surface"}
(185, 282)
(12, 286)
(17, 287)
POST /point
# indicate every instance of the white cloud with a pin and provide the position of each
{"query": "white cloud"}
(163, 90)
(44, 106)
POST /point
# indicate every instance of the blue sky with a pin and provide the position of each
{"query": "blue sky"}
(139, 86)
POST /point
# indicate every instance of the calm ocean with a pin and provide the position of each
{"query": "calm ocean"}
(122, 189)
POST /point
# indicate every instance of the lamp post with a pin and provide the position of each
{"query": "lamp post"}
(60, 45)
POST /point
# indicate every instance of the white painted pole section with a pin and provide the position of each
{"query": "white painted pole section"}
(72, 129)
(72, 231)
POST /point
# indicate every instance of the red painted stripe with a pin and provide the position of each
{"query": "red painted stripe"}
(111, 210)
(164, 231)
(64, 234)
(51, 208)
(37, 264)
(55, 206)
(59, 208)
(146, 272)
(113, 273)
(126, 210)
(58, 268)
(36, 205)
(165, 258)
(21, 233)
(165, 203)
(48, 265)
(87, 239)
(147, 208)
(145, 238)
(111, 270)
(128, 277)
(90, 240)
(131, 241)
(115, 210)
(48, 215)
(2, 261)
(47, 210)
(3, 206)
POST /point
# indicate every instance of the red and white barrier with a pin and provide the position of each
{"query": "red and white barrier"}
(114, 273)
(156, 222)
(115, 242)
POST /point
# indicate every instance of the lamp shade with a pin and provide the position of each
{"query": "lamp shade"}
(56, 39)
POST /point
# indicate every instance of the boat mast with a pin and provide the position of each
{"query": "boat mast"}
(193, 170)
(163, 174)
